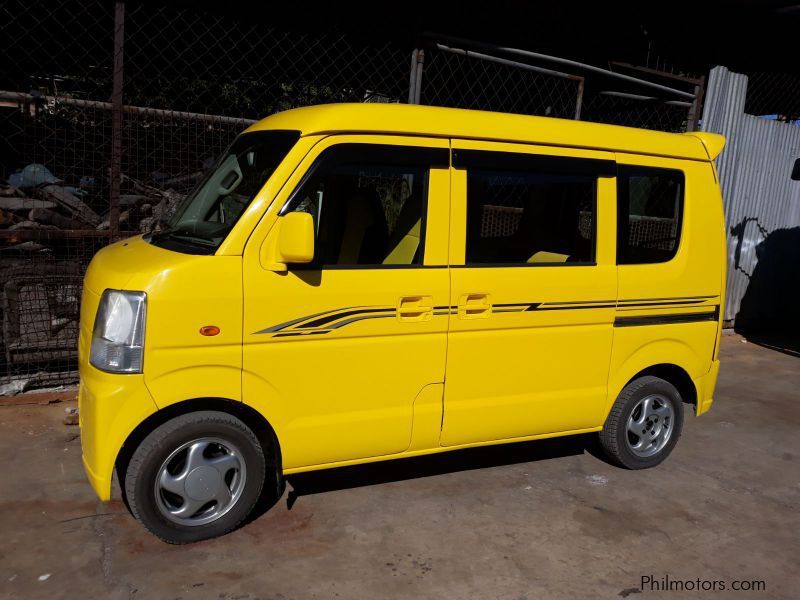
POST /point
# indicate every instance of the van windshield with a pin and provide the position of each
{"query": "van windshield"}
(211, 210)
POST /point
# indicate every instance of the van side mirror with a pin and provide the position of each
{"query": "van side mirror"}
(294, 243)
(796, 170)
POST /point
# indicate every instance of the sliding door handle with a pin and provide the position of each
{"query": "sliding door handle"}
(474, 306)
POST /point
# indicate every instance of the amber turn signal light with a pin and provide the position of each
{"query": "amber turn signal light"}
(209, 330)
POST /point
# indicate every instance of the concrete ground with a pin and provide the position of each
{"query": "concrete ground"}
(541, 520)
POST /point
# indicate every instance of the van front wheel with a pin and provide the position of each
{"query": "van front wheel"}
(195, 477)
(644, 424)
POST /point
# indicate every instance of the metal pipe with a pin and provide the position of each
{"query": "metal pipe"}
(566, 61)
(137, 110)
(579, 100)
(657, 73)
(34, 235)
(693, 118)
(645, 98)
(418, 84)
(116, 118)
(412, 79)
(505, 61)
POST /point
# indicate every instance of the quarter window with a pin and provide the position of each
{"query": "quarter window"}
(368, 205)
(530, 217)
(649, 209)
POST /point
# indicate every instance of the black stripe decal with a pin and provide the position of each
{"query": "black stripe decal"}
(360, 318)
(537, 308)
(335, 317)
(666, 299)
(580, 302)
(286, 324)
(296, 333)
(667, 319)
(513, 305)
(658, 309)
(670, 303)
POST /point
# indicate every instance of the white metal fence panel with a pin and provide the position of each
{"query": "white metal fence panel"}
(754, 169)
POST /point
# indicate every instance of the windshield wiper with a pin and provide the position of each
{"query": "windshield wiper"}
(190, 239)
(163, 228)
(181, 237)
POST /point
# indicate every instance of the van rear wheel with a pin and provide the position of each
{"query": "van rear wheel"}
(644, 424)
(197, 476)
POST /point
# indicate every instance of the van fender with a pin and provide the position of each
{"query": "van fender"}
(658, 352)
(264, 398)
(195, 381)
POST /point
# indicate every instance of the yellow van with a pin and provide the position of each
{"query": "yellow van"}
(355, 283)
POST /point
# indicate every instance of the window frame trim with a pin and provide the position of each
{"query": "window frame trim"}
(522, 161)
(378, 153)
(624, 170)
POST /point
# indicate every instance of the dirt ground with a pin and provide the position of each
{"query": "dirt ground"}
(541, 520)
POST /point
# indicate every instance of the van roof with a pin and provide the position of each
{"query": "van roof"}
(434, 121)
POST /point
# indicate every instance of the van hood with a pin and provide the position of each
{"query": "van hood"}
(131, 264)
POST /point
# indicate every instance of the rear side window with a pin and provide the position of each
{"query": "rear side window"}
(530, 210)
(530, 217)
(649, 211)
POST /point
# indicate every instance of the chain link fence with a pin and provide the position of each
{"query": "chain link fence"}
(775, 95)
(459, 78)
(112, 111)
(646, 112)
(481, 76)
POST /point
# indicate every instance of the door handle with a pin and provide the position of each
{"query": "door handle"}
(415, 308)
(474, 306)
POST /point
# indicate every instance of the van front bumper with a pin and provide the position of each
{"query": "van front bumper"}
(110, 408)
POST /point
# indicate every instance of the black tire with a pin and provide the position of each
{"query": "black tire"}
(148, 458)
(615, 439)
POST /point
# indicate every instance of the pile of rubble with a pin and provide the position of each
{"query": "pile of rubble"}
(48, 233)
(34, 199)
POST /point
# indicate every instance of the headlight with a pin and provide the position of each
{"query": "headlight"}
(118, 336)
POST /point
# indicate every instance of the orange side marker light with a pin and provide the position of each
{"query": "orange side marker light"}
(209, 330)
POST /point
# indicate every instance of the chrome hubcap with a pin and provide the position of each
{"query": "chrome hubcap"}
(650, 425)
(200, 481)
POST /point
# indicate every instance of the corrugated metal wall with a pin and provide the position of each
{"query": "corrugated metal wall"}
(754, 169)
